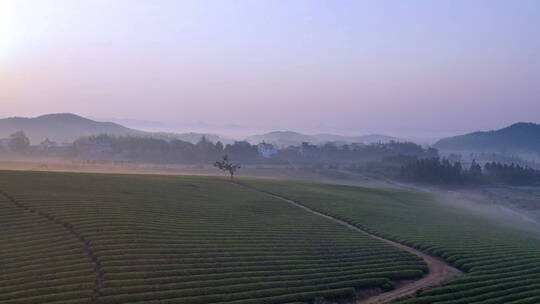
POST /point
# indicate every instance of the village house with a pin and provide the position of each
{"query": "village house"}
(266, 150)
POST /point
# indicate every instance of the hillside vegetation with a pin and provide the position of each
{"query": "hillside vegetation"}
(517, 138)
(81, 238)
(503, 264)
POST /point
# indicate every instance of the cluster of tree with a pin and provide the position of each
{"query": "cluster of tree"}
(387, 166)
(160, 150)
(354, 153)
(17, 142)
(438, 171)
(154, 150)
(511, 174)
(524, 160)
(147, 149)
(444, 172)
(377, 151)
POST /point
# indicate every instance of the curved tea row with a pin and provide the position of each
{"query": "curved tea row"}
(162, 239)
(502, 262)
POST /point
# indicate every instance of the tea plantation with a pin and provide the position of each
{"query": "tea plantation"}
(503, 263)
(96, 238)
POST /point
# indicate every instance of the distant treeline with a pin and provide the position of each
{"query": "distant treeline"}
(154, 150)
(360, 152)
(175, 151)
(444, 172)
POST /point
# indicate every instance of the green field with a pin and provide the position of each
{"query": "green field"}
(96, 238)
(82, 238)
(503, 263)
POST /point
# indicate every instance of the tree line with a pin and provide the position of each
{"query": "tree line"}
(18, 142)
(444, 172)
(147, 149)
(172, 151)
(154, 150)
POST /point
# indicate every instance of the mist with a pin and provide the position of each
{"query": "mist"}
(500, 208)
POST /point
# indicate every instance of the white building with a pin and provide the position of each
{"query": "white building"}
(266, 150)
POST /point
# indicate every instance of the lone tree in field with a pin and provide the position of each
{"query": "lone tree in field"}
(226, 165)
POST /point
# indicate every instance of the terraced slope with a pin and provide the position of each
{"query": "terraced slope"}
(503, 263)
(160, 239)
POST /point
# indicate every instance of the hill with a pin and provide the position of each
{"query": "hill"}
(67, 127)
(517, 138)
(290, 138)
(63, 127)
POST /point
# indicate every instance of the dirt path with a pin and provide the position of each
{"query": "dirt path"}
(98, 273)
(439, 270)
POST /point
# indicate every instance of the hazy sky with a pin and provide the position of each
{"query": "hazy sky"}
(393, 67)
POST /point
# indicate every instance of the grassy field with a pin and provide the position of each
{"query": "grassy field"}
(503, 263)
(91, 238)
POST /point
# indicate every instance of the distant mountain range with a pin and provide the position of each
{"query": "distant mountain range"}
(518, 138)
(60, 127)
(289, 138)
(67, 127)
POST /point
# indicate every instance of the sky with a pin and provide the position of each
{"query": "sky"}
(402, 68)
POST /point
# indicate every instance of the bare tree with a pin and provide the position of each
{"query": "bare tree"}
(226, 165)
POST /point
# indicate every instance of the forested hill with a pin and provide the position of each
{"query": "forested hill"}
(67, 127)
(63, 127)
(517, 138)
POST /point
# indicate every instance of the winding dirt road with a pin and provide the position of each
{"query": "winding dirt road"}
(439, 270)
